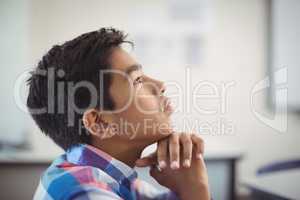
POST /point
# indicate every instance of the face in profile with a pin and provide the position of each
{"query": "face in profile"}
(142, 112)
(141, 107)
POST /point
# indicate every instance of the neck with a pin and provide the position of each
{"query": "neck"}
(127, 152)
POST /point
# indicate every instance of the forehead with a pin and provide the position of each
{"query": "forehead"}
(121, 59)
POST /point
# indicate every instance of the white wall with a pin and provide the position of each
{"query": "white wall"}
(286, 45)
(14, 50)
(235, 50)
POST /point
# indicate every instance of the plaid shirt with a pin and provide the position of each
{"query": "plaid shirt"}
(87, 173)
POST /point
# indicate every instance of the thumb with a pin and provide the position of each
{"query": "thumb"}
(147, 161)
(154, 172)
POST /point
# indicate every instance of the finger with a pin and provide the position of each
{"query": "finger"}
(174, 149)
(162, 153)
(199, 144)
(147, 161)
(202, 165)
(154, 172)
(187, 145)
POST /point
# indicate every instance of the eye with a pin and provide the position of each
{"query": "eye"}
(138, 80)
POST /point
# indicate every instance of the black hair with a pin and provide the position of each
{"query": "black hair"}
(77, 60)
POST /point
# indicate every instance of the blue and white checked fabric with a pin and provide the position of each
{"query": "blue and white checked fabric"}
(87, 173)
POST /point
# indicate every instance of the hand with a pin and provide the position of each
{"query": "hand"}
(190, 181)
(170, 147)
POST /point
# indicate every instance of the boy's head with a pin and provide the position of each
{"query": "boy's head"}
(89, 88)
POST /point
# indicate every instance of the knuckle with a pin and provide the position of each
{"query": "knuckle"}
(188, 145)
(186, 138)
(197, 138)
(174, 154)
(161, 142)
(188, 151)
(160, 148)
(201, 143)
(161, 154)
(187, 157)
(187, 154)
(174, 136)
(174, 158)
(174, 141)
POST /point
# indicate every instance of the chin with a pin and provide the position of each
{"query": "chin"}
(156, 139)
(160, 134)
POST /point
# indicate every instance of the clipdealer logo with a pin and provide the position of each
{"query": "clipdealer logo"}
(278, 121)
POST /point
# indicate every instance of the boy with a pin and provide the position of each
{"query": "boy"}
(91, 97)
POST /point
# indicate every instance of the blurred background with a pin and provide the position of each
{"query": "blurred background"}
(245, 51)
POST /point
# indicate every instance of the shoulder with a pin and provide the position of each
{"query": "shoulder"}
(67, 181)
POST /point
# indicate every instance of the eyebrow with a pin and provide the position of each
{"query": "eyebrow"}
(133, 68)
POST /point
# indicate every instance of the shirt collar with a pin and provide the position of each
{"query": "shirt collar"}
(87, 155)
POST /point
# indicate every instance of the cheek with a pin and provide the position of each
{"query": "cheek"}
(141, 105)
(122, 96)
(141, 108)
(147, 104)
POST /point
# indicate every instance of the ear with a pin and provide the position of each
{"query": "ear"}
(98, 124)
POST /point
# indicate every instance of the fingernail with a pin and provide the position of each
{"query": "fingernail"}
(199, 155)
(187, 163)
(175, 165)
(162, 164)
(158, 168)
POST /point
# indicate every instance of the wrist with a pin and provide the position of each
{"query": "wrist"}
(196, 192)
